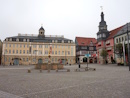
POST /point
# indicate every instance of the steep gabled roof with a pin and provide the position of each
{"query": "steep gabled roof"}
(83, 41)
(114, 32)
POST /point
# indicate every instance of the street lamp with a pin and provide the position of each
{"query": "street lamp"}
(128, 47)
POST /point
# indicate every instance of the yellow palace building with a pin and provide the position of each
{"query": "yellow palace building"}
(26, 49)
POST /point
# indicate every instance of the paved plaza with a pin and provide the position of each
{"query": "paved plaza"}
(108, 81)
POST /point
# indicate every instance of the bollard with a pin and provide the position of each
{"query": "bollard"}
(29, 71)
(40, 70)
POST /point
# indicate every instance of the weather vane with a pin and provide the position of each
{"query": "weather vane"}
(101, 8)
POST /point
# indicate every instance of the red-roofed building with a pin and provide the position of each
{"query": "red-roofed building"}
(105, 40)
(85, 48)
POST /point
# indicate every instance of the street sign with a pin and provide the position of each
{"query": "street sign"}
(87, 55)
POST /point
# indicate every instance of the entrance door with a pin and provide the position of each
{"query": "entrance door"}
(16, 61)
(84, 59)
(63, 61)
(39, 61)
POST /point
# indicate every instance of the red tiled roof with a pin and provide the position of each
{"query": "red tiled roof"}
(83, 41)
(114, 32)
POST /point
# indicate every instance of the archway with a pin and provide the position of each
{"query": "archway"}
(40, 61)
(16, 61)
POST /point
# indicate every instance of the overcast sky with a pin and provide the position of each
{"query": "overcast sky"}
(70, 18)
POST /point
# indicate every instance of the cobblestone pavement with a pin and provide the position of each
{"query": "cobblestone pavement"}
(108, 81)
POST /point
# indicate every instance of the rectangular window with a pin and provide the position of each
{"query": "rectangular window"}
(39, 52)
(68, 52)
(9, 51)
(46, 52)
(9, 59)
(91, 48)
(23, 51)
(20, 51)
(24, 46)
(55, 52)
(59, 52)
(55, 46)
(27, 46)
(55, 59)
(46, 46)
(52, 52)
(27, 51)
(20, 45)
(6, 45)
(34, 46)
(40, 46)
(9, 45)
(13, 51)
(117, 40)
(13, 45)
(17, 45)
(27, 59)
(34, 60)
(23, 59)
(62, 52)
(17, 51)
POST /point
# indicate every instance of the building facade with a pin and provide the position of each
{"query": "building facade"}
(121, 37)
(0, 51)
(105, 40)
(86, 50)
(32, 49)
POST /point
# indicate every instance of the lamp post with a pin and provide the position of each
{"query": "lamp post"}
(128, 47)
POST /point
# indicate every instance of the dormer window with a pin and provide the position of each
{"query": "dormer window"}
(7, 39)
(62, 41)
(17, 39)
(27, 40)
(55, 41)
(10, 39)
(24, 40)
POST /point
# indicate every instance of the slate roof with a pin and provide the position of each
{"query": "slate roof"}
(37, 39)
(114, 32)
(123, 30)
(83, 41)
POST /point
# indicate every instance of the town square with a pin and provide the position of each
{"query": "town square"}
(108, 81)
(64, 49)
